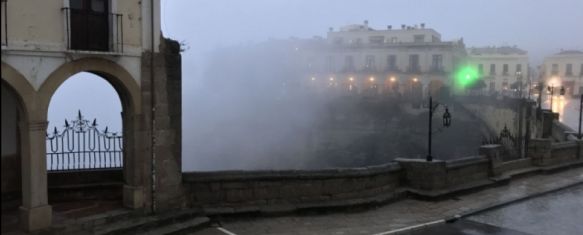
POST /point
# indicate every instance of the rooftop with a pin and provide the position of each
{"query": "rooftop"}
(504, 50)
(570, 52)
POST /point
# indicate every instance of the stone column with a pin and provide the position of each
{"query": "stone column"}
(540, 151)
(35, 213)
(423, 175)
(134, 154)
(494, 153)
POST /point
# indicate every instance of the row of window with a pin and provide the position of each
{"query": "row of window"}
(379, 39)
(568, 70)
(390, 63)
(505, 69)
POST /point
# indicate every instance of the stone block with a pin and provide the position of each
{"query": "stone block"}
(424, 175)
(238, 195)
(539, 151)
(36, 218)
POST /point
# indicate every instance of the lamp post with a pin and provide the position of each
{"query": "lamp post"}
(580, 114)
(551, 89)
(446, 123)
(519, 80)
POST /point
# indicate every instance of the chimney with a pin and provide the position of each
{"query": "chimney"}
(366, 23)
(330, 29)
(402, 26)
(389, 27)
(422, 25)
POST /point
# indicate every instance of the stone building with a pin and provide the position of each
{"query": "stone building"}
(502, 68)
(46, 42)
(357, 58)
(564, 69)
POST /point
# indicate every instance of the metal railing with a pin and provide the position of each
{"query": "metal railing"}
(81, 146)
(4, 4)
(115, 31)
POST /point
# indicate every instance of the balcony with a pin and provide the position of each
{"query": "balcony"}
(413, 69)
(93, 31)
(393, 69)
(437, 70)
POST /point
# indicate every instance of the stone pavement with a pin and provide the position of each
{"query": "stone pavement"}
(400, 214)
(557, 213)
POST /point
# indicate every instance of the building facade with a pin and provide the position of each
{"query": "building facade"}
(564, 69)
(503, 69)
(357, 58)
(46, 42)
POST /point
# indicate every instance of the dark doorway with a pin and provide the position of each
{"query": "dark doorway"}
(89, 25)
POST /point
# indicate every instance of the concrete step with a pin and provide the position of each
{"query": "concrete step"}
(87, 223)
(139, 225)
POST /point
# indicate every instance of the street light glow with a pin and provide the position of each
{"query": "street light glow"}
(351, 79)
(313, 78)
(466, 77)
(371, 79)
(415, 80)
(331, 78)
(393, 79)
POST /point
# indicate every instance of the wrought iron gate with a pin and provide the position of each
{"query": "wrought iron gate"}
(509, 143)
(81, 146)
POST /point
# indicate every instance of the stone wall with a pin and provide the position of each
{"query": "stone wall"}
(70, 186)
(272, 191)
(279, 191)
(162, 185)
(438, 178)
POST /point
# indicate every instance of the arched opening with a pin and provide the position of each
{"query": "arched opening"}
(12, 115)
(85, 147)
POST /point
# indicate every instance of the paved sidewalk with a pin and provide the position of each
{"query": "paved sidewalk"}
(400, 214)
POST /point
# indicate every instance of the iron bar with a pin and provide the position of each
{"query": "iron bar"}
(81, 147)
(5, 4)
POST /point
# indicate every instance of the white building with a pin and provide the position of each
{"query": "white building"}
(359, 58)
(502, 68)
(564, 69)
(44, 43)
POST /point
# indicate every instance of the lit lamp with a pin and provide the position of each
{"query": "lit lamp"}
(446, 118)
(446, 123)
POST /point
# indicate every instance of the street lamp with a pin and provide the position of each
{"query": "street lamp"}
(446, 123)
(519, 80)
(551, 89)
(580, 114)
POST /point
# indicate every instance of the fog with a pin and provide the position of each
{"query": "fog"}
(243, 107)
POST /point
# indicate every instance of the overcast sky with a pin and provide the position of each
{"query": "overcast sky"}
(542, 27)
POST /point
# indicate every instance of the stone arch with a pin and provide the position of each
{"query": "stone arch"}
(24, 95)
(17, 82)
(121, 80)
(129, 93)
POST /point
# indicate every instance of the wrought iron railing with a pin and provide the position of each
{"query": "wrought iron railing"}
(81, 146)
(4, 22)
(114, 31)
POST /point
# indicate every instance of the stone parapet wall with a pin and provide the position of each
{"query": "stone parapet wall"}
(290, 190)
(467, 171)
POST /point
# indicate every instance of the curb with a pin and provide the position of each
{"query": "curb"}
(477, 211)
(539, 194)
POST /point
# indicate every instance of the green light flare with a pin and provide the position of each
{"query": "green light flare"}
(465, 77)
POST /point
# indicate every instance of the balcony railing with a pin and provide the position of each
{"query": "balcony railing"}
(90, 31)
(413, 69)
(4, 23)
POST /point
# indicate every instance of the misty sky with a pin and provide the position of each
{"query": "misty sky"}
(541, 27)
